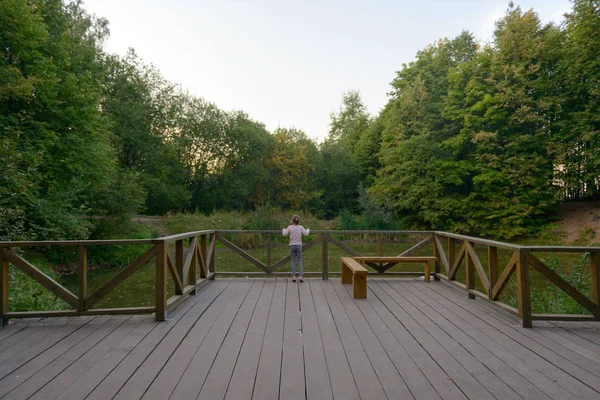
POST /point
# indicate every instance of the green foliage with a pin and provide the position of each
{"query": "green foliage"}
(373, 215)
(26, 294)
(480, 140)
(549, 299)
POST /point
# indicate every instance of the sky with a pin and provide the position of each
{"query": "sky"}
(288, 63)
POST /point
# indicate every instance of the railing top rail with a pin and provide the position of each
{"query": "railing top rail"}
(488, 242)
(562, 249)
(180, 236)
(76, 242)
(339, 232)
(186, 235)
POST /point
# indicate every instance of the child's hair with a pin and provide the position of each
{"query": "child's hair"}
(295, 219)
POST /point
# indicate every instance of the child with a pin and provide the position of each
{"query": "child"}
(295, 231)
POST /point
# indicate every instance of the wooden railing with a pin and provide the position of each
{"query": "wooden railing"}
(199, 254)
(326, 239)
(182, 258)
(494, 280)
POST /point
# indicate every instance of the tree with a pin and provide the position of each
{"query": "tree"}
(290, 166)
(58, 156)
(146, 115)
(421, 174)
(348, 124)
(579, 142)
(337, 175)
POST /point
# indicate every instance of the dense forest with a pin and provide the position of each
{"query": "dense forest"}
(481, 139)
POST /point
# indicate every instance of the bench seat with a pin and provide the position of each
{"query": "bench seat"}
(356, 274)
(391, 261)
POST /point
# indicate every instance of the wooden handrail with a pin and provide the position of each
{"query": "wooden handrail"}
(473, 239)
(200, 256)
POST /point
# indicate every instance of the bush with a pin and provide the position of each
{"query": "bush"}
(25, 294)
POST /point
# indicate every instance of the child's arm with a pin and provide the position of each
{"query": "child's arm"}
(285, 231)
(305, 231)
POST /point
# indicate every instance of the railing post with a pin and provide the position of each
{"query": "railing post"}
(204, 250)
(523, 291)
(437, 264)
(451, 251)
(191, 278)
(211, 267)
(179, 264)
(161, 281)
(469, 274)
(3, 287)
(492, 268)
(269, 252)
(595, 276)
(83, 281)
(325, 256)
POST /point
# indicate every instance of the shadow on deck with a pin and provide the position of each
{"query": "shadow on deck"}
(270, 339)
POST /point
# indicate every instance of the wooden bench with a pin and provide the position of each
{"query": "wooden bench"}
(356, 274)
(378, 262)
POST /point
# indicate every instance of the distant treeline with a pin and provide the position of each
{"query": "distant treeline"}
(478, 139)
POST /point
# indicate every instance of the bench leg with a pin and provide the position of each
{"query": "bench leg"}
(346, 274)
(427, 271)
(359, 286)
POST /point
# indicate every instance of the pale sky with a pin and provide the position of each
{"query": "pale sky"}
(287, 63)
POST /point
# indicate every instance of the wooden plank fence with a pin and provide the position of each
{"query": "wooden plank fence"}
(188, 260)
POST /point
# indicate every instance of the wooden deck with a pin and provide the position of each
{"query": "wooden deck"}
(270, 339)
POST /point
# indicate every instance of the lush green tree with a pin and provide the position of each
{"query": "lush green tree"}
(290, 166)
(337, 175)
(513, 189)
(350, 122)
(55, 139)
(578, 144)
(421, 174)
(146, 112)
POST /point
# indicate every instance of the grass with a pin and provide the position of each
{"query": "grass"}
(25, 294)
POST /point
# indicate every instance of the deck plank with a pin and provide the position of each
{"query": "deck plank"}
(217, 381)
(552, 359)
(15, 327)
(292, 383)
(367, 381)
(503, 350)
(342, 381)
(27, 370)
(45, 375)
(138, 356)
(470, 339)
(195, 375)
(29, 337)
(268, 374)
(584, 330)
(574, 343)
(168, 360)
(469, 385)
(274, 339)
(420, 387)
(318, 385)
(94, 375)
(518, 341)
(392, 382)
(29, 353)
(240, 386)
(386, 309)
(66, 378)
(486, 376)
